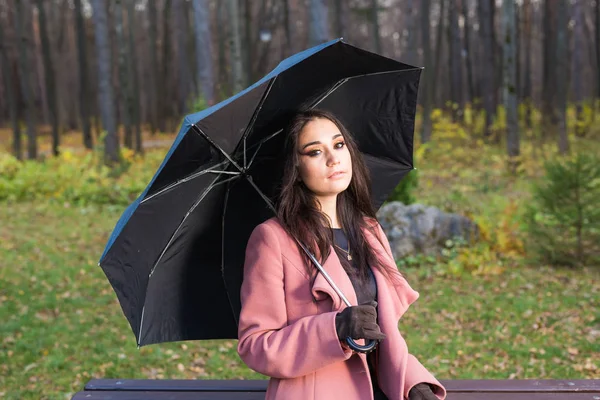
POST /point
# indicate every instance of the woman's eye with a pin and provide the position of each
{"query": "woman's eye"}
(313, 153)
(339, 145)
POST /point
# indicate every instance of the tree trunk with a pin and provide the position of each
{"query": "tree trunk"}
(25, 70)
(164, 110)
(10, 86)
(49, 76)
(84, 93)
(105, 90)
(411, 53)
(486, 23)
(528, 38)
(375, 36)
(248, 51)
(438, 45)
(510, 83)
(549, 88)
(184, 78)
(340, 18)
(222, 36)
(204, 50)
(598, 50)
(561, 71)
(134, 87)
(235, 44)
(456, 83)
(152, 92)
(578, 66)
(318, 31)
(426, 85)
(469, 58)
(124, 86)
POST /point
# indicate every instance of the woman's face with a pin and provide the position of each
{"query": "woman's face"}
(325, 165)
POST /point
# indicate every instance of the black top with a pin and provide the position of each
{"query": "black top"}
(365, 292)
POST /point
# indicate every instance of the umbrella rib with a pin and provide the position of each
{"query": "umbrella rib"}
(317, 102)
(183, 180)
(320, 100)
(255, 115)
(223, 254)
(205, 136)
(202, 196)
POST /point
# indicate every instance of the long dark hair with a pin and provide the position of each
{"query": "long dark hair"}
(299, 213)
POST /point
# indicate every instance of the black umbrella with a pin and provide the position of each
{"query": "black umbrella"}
(175, 258)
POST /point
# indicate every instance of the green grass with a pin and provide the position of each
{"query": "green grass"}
(62, 325)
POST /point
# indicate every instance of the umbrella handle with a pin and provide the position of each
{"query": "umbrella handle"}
(369, 347)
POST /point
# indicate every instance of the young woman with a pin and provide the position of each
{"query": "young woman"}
(293, 325)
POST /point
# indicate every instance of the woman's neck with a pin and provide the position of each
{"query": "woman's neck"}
(329, 208)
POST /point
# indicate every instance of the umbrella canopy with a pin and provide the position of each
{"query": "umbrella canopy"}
(175, 258)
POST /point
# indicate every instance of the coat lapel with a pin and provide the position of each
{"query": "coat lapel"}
(321, 289)
(394, 297)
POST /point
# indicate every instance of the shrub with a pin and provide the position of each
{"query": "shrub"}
(563, 218)
(404, 192)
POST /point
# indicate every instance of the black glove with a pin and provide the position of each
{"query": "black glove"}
(359, 322)
(421, 391)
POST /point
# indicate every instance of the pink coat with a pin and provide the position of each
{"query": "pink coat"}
(286, 335)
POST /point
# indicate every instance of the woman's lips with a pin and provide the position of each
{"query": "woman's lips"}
(336, 175)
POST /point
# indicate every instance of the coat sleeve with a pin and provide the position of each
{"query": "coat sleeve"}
(267, 343)
(416, 373)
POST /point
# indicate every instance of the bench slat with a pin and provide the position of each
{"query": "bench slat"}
(523, 385)
(482, 385)
(143, 395)
(171, 395)
(183, 385)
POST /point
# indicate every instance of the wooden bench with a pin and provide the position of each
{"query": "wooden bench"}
(138, 389)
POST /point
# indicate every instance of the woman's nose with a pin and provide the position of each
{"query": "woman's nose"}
(333, 160)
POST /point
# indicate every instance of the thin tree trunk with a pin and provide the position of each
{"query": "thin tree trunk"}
(549, 88)
(84, 93)
(27, 92)
(134, 87)
(561, 70)
(318, 26)
(153, 23)
(412, 37)
(184, 78)
(597, 13)
(486, 23)
(10, 86)
(438, 44)
(340, 17)
(456, 83)
(49, 76)
(426, 86)
(375, 36)
(105, 90)
(578, 66)
(528, 38)
(510, 83)
(469, 58)
(165, 92)
(124, 86)
(222, 36)
(203, 50)
(235, 44)
(248, 50)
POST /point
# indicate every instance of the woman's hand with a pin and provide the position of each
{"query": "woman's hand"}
(359, 322)
(421, 391)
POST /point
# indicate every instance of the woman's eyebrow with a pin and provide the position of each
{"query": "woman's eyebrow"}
(317, 142)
